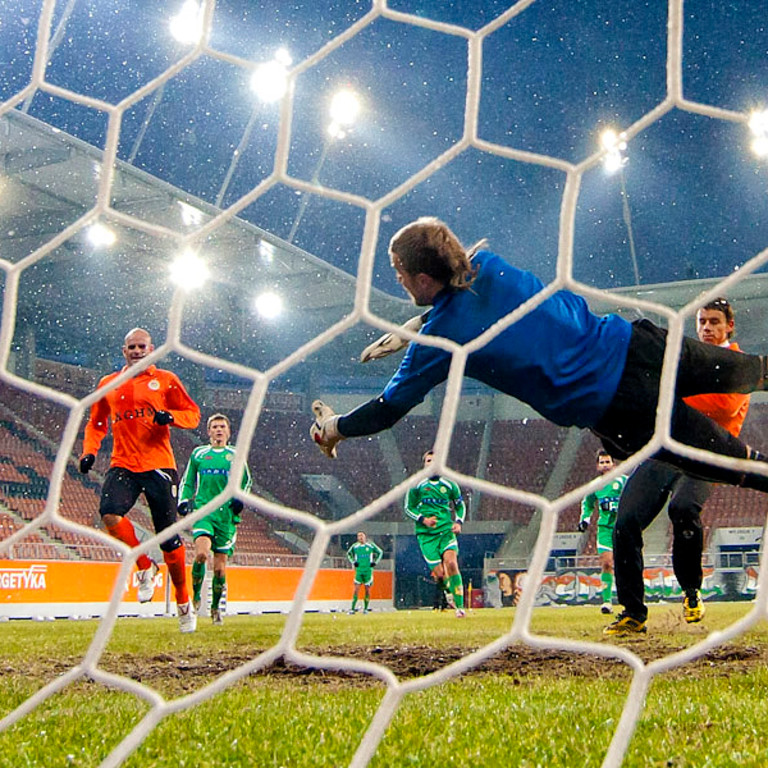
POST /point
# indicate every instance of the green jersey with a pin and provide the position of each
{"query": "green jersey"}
(364, 556)
(605, 501)
(435, 497)
(206, 476)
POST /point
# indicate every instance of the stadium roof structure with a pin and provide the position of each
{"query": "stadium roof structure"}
(78, 301)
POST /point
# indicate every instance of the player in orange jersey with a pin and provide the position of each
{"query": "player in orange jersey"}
(653, 483)
(141, 412)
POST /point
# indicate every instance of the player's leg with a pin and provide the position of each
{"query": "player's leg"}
(224, 538)
(355, 589)
(641, 501)
(451, 564)
(688, 499)
(203, 540)
(118, 495)
(605, 552)
(219, 584)
(367, 596)
(161, 492)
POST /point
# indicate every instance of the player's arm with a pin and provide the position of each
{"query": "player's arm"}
(459, 506)
(96, 429)
(377, 554)
(188, 486)
(351, 554)
(411, 507)
(587, 506)
(184, 411)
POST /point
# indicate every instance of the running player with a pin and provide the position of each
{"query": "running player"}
(205, 478)
(141, 412)
(437, 508)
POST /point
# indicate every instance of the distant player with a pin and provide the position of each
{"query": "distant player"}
(206, 477)
(364, 556)
(437, 508)
(141, 412)
(604, 503)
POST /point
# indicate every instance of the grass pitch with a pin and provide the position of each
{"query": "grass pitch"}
(522, 708)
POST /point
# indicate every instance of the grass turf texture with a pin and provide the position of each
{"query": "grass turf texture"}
(523, 708)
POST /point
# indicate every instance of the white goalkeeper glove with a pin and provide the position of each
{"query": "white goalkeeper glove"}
(324, 431)
(391, 342)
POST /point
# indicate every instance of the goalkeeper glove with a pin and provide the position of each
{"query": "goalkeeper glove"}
(163, 418)
(583, 525)
(391, 342)
(86, 462)
(183, 508)
(237, 509)
(324, 431)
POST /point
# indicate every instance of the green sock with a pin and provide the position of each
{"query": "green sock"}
(198, 575)
(218, 588)
(354, 601)
(607, 579)
(457, 589)
(366, 600)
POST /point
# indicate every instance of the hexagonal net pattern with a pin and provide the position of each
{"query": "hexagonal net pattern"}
(520, 631)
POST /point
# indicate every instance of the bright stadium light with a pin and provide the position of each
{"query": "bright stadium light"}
(100, 235)
(345, 107)
(269, 80)
(188, 271)
(615, 146)
(758, 124)
(187, 25)
(344, 110)
(269, 305)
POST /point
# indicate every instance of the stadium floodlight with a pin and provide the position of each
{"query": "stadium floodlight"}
(100, 235)
(269, 305)
(344, 110)
(188, 271)
(269, 82)
(615, 160)
(345, 107)
(187, 25)
(614, 144)
(758, 124)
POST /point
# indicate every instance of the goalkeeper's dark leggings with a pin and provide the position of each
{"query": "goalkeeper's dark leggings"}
(645, 493)
(629, 422)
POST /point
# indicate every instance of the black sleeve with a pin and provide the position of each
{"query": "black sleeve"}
(370, 418)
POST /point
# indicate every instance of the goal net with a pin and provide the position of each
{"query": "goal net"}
(387, 190)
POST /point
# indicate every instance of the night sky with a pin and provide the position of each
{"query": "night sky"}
(553, 78)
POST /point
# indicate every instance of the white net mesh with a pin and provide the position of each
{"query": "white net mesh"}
(47, 38)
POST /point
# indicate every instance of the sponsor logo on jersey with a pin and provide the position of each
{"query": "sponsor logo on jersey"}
(154, 384)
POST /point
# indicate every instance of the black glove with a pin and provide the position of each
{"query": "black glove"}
(583, 525)
(184, 509)
(355, 563)
(86, 462)
(237, 509)
(163, 418)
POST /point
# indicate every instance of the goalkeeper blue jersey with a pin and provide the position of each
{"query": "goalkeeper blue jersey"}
(560, 358)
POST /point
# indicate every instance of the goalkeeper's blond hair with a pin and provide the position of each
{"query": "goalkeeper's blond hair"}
(428, 245)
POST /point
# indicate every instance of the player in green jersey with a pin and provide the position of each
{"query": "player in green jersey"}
(437, 508)
(364, 555)
(605, 503)
(205, 477)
